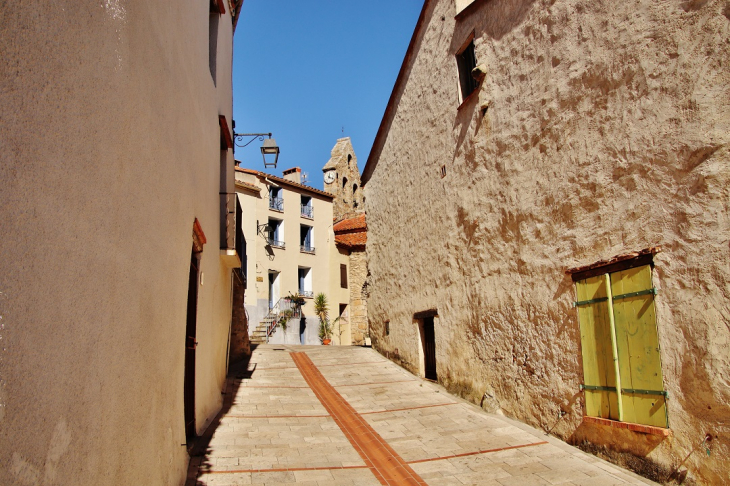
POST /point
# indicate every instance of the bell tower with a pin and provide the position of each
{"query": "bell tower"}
(342, 179)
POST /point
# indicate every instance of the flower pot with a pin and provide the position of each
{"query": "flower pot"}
(326, 341)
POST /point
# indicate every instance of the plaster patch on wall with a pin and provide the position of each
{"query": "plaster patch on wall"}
(115, 10)
(27, 473)
(118, 14)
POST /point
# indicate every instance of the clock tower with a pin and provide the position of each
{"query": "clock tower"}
(342, 179)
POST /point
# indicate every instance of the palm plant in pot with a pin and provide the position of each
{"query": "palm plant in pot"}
(322, 313)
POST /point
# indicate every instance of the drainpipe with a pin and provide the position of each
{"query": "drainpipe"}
(614, 348)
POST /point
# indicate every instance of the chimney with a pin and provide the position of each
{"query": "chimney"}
(294, 175)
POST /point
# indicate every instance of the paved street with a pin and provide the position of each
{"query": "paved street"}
(326, 415)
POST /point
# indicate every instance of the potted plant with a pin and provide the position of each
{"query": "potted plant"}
(296, 299)
(322, 313)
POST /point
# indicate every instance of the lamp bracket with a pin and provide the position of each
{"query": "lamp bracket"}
(239, 137)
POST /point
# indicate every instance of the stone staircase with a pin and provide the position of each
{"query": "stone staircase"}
(259, 335)
(268, 324)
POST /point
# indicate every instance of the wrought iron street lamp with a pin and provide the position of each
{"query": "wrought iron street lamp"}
(269, 150)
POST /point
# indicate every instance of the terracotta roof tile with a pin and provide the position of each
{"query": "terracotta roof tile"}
(358, 222)
(351, 240)
(248, 186)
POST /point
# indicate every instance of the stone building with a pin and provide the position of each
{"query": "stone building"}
(342, 179)
(537, 155)
(115, 286)
(351, 239)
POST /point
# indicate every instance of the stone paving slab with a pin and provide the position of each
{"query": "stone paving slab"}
(276, 430)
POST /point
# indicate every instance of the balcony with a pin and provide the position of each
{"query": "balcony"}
(228, 230)
(306, 249)
(276, 243)
(276, 203)
(307, 211)
(307, 294)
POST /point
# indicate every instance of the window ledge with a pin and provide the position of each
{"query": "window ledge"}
(469, 98)
(644, 429)
(308, 217)
(276, 210)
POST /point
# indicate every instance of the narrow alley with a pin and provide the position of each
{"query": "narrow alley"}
(324, 415)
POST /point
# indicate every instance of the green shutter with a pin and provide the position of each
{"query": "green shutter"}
(595, 334)
(638, 348)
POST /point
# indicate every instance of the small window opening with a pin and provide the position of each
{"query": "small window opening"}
(466, 60)
(213, 20)
(387, 328)
(343, 275)
(443, 171)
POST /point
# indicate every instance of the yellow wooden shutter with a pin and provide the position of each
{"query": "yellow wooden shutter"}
(638, 347)
(595, 334)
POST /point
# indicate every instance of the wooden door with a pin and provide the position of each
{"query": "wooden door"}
(429, 348)
(190, 345)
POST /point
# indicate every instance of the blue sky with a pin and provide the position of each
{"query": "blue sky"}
(303, 70)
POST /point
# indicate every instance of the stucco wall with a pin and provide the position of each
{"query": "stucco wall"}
(110, 150)
(287, 260)
(606, 132)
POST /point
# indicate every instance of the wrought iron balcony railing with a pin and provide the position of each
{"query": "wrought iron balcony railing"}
(276, 203)
(307, 294)
(277, 243)
(307, 211)
(306, 249)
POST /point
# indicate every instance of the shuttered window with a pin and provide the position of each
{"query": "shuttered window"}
(343, 275)
(620, 347)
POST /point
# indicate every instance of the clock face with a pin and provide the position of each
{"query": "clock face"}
(329, 177)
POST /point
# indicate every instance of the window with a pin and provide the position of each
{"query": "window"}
(621, 359)
(307, 209)
(276, 202)
(387, 328)
(213, 20)
(306, 240)
(305, 282)
(343, 275)
(276, 233)
(466, 61)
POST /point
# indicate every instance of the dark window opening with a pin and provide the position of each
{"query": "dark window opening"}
(306, 243)
(343, 275)
(213, 20)
(466, 60)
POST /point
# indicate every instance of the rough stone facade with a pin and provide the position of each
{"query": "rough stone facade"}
(601, 128)
(240, 342)
(358, 296)
(345, 180)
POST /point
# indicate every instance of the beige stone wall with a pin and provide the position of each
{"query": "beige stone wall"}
(358, 272)
(110, 150)
(606, 132)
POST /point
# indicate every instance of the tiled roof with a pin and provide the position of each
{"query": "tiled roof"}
(351, 240)
(285, 182)
(248, 186)
(358, 222)
(351, 232)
